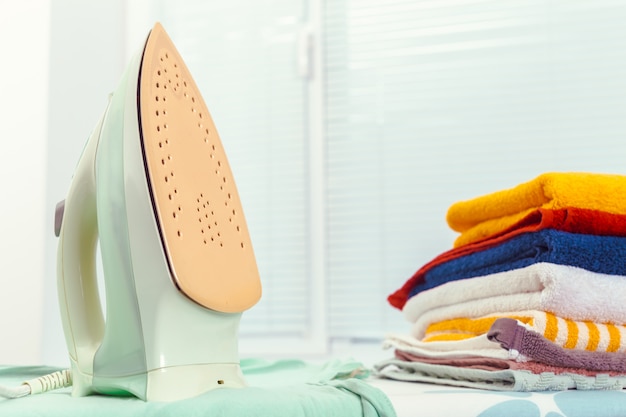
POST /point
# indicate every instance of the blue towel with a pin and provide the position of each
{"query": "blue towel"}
(604, 254)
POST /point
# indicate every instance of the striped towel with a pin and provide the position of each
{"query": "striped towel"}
(530, 347)
(569, 334)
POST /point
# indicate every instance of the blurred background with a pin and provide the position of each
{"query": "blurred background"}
(350, 126)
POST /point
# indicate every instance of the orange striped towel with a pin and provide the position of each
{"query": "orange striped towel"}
(492, 213)
(569, 334)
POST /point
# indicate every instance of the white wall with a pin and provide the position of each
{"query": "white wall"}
(61, 59)
(87, 47)
(24, 40)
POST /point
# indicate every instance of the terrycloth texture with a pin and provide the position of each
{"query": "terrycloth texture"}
(488, 214)
(603, 254)
(478, 346)
(504, 380)
(569, 334)
(474, 309)
(493, 364)
(573, 220)
(568, 219)
(531, 345)
(566, 291)
(282, 388)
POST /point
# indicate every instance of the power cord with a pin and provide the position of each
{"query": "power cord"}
(55, 380)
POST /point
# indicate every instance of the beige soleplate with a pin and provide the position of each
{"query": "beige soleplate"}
(202, 225)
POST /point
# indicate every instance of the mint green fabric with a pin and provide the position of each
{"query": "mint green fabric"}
(288, 388)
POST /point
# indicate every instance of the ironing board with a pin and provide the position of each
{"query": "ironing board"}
(287, 388)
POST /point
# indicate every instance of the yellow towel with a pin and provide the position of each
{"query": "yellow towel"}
(491, 213)
(570, 334)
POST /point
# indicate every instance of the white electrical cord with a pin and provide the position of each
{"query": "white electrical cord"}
(17, 392)
(56, 380)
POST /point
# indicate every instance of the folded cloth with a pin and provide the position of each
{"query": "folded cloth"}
(494, 364)
(465, 320)
(488, 214)
(474, 362)
(568, 219)
(569, 334)
(529, 345)
(502, 380)
(478, 346)
(603, 254)
(573, 220)
(564, 290)
(488, 364)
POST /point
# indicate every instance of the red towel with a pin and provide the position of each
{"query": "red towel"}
(571, 219)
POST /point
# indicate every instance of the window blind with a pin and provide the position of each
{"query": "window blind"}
(242, 56)
(430, 102)
(426, 102)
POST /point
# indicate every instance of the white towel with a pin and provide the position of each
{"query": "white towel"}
(564, 290)
(478, 346)
(474, 309)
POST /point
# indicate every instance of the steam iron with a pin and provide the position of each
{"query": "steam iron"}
(154, 187)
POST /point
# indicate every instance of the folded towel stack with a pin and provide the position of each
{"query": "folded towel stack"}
(535, 285)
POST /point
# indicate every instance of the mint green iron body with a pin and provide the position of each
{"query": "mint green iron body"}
(156, 343)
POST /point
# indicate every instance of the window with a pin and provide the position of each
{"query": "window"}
(351, 126)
